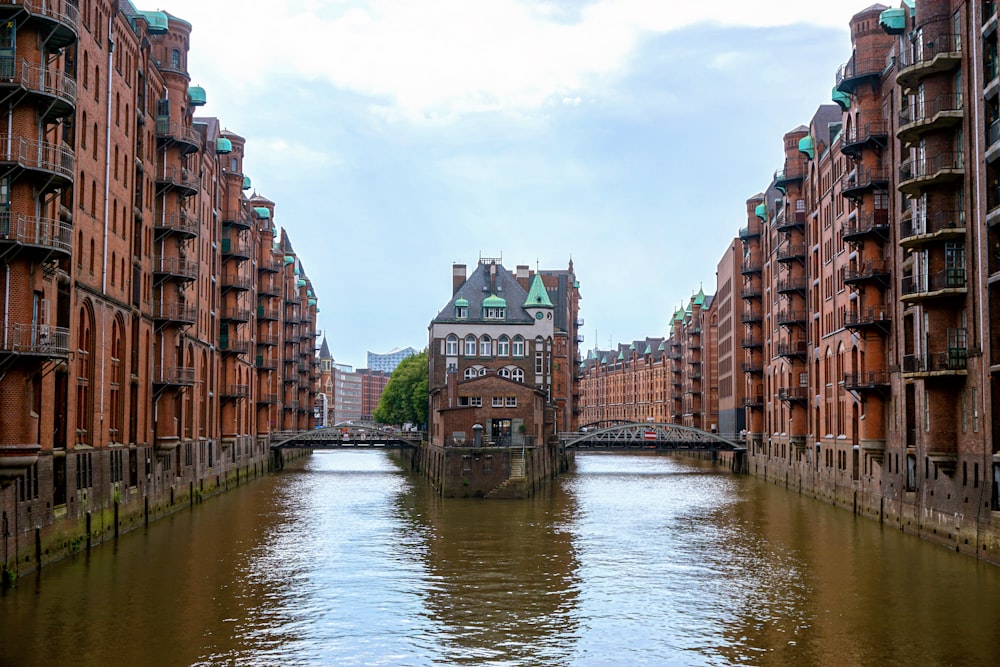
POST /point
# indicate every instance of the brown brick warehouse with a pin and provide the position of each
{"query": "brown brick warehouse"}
(857, 313)
(158, 327)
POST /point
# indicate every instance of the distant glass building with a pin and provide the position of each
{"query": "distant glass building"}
(387, 362)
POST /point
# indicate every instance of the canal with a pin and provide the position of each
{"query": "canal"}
(630, 559)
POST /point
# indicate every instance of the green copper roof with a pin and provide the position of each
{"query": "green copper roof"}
(300, 282)
(494, 301)
(461, 303)
(538, 297)
(679, 315)
(807, 146)
(699, 298)
(262, 212)
(621, 356)
(649, 350)
(841, 98)
(223, 146)
(761, 211)
(632, 346)
(312, 302)
(246, 182)
(197, 96)
(289, 259)
(158, 22)
(893, 21)
(661, 348)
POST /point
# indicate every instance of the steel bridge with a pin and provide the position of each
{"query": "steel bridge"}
(350, 435)
(647, 435)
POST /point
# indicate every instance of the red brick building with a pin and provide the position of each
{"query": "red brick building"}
(142, 338)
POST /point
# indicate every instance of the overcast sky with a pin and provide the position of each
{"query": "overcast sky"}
(400, 137)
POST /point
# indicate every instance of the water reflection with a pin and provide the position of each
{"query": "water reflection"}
(640, 559)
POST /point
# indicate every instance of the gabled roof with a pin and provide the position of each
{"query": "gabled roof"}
(481, 289)
(324, 350)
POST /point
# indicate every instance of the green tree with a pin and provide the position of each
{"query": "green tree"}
(404, 399)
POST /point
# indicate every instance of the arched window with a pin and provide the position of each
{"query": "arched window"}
(503, 347)
(175, 59)
(504, 373)
(518, 346)
(451, 345)
(470, 346)
(485, 346)
(517, 375)
(471, 372)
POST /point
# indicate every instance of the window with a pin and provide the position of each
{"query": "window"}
(461, 312)
(503, 347)
(494, 313)
(470, 346)
(498, 401)
(518, 346)
(539, 363)
(451, 346)
(517, 375)
(471, 401)
(471, 372)
(485, 346)
(511, 401)
(175, 59)
(504, 373)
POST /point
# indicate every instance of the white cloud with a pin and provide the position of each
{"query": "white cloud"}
(436, 58)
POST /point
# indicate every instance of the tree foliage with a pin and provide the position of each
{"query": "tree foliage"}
(404, 399)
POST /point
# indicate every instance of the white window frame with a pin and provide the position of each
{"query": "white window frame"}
(485, 347)
(497, 401)
(517, 375)
(470, 346)
(503, 346)
(511, 401)
(451, 345)
(518, 347)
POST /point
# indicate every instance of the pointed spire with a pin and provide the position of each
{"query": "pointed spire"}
(538, 296)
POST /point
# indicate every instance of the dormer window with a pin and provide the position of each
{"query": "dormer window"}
(461, 309)
(494, 308)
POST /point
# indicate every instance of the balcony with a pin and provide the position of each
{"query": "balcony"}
(175, 268)
(267, 288)
(871, 225)
(38, 340)
(751, 292)
(751, 265)
(793, 394)
(751, 317)
(788, 221)
(791, 285)
(855, 183)
(263, 364)
(943, 112)
(267, 398)
(926, 286)
(750, 342)
(54, 89)
(941, 226)
(236, 282)
(791, 252)
(265, 314)
(228, 345)
(791, 317)
(178, 313)
(34, 233)
(873, 134)
(237, 221)
(940, 54)
(173, 376)
(950, 362)
(858, 71)
(918, 173)
(233, 392)
(753, 368)
(867, 381)
(872, 317)
(269, 266)
(746, 233)
(186, 138)
(268, 340)
(795, 349)
(52, 164)
(182, 181)
(792, 173)
(182, 225)
(235, 315)
(870, 270)
(236, 248)
(754, 401)
(58, 21)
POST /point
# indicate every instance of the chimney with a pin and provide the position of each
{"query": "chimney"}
(523, 276)
(457, 277)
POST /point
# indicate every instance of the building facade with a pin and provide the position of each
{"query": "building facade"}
(500, 356)
(870, 306)
(133, 261)
(387, 362)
